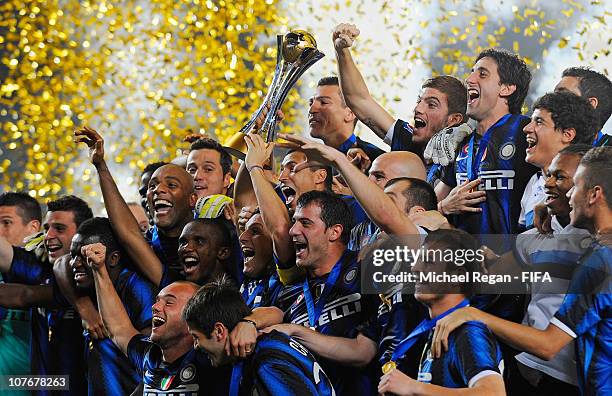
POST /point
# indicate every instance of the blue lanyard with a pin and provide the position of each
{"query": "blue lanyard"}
(474, 161)
(314, 310)
(236, 376)
(432, 171)
(423, 327)
(157, 246)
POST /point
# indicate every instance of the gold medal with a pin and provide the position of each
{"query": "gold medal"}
(387, 367)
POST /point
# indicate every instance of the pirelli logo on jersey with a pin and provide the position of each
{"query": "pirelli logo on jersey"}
(502, 179)
(334, 310)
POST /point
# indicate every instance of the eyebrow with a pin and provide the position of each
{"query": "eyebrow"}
(431, 98)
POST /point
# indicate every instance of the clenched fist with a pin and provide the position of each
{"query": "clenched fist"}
(95, 255)
(344, 35)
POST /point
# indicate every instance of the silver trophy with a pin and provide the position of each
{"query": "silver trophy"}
(296, 52)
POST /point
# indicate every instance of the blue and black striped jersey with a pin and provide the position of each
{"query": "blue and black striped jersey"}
(189, 375)
(57, 341)
(586, 315)
(282, 366)
(343, 312)
(109, 371)
(473, 353)
(504, 174)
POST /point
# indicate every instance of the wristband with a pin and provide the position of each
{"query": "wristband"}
(254, 167)
(249, 320)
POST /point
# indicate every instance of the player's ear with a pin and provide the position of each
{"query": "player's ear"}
(220, 332)
(506, 90)
(223, 253)
(454, 119)
(113, 259)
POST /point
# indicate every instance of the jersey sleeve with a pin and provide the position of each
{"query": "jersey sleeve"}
(137, 350)
(141, 296)
(588, 295)
(26, 268)
(477, 352)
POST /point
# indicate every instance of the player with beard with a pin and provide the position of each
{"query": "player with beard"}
(558, 120)
(319, 235)
(56, 342)
(278, 365)
(473, 364)
(210, 166)
(597, 89)
(440, 104)
(20, 217)
(109, 372)
(485, 184)
(261, 283)
(584, 313)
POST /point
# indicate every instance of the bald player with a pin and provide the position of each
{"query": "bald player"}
(388, 166)
(170, 199)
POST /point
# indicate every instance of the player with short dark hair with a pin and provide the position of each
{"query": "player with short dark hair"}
(440, 104)
(109, 372)
(485, 184)
(57, 342)
(277, 365)
(559, 119)
(474, 360)
(583, 315)
(210, 166)
(597, 89)
(20, 217)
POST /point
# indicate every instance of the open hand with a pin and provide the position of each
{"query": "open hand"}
(94, 141)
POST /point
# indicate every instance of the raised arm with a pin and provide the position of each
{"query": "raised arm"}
(378, 205)
(114, 316)
(92, 322)
(273, 210)
(124, 224)
(353, 86)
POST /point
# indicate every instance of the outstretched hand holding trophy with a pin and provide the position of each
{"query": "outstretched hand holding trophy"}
(296, 52)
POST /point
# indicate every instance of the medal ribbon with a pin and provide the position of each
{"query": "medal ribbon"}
(314, 310)
(423, 327)
(236, 376)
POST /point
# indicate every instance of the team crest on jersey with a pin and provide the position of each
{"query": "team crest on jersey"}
(463, 153)
(188, 373)
(507, 151)
(348, 278)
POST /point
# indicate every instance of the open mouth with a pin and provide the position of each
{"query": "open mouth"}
(79, 276)
(199, 188)
(300, 248)
(53, 248)
(550, 197)
(531, 142)
(157, 321)
(161, 206)
(190, 263)
(247, 253)
(419, 123)
(289, 194)
(473, 95)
